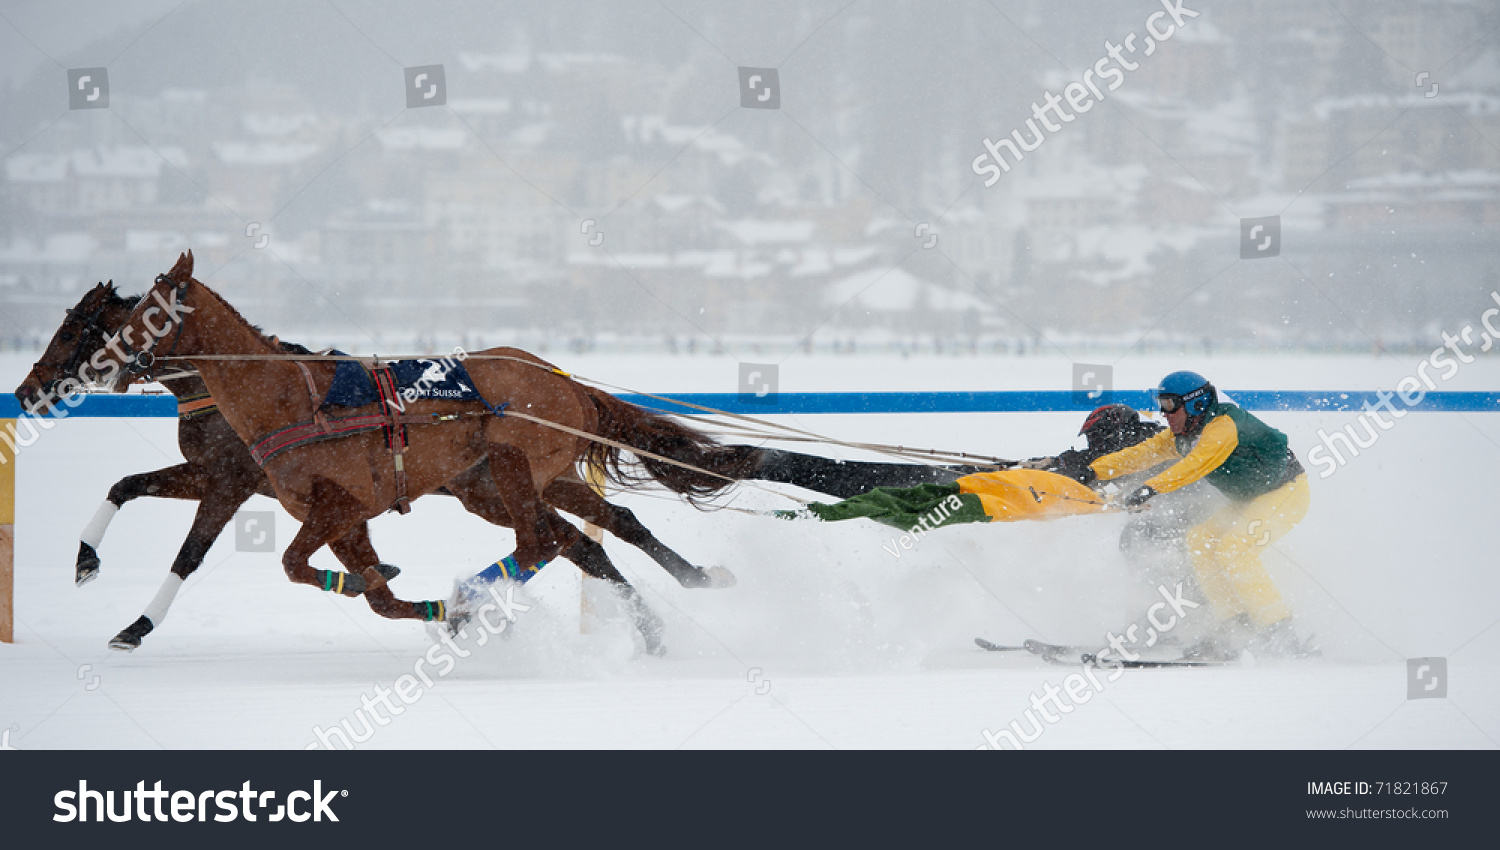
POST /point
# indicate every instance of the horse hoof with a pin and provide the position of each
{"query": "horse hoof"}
(129, 638)
(88, 565)
(354, 585)
(651, 628)
(455, 621)
(719, 577)
(387, 571)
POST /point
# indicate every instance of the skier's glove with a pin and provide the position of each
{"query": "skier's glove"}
(1137, 501)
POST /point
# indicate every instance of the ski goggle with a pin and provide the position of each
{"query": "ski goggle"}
(1169, 403)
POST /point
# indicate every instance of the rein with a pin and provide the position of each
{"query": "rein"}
(761, 428)
(141, 362)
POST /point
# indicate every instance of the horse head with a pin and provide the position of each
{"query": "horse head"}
(73, 357)
(158, 318)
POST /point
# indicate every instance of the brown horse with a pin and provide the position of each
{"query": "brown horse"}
(221, 475)
(334, 486)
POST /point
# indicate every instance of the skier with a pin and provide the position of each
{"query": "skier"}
(1153, 544)
(1251, 464)
(1107, 429)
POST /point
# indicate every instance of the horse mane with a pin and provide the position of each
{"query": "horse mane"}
(128, 302)
(269, 341)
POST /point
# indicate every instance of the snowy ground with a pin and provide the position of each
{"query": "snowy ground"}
(827, 640)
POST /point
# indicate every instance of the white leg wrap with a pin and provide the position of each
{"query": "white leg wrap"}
(94, 531)
(156, 612)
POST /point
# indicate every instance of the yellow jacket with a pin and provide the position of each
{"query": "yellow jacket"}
(1219, 440)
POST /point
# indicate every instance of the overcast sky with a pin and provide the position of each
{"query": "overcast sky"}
(37, 33)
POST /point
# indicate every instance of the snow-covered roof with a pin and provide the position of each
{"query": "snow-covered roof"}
(480, 105)
(171, 241)
(895, 290)
(532, 135)
(125, 161)
(1086, 181)
(37, 168)
(263, 153)
(557, 63)
(819, 261)
(677, 203)
(506, 63)
(1471, 103)
(275, 124)
(422, 138)
(1127, 249)
(759, 232)
(1405, 180)
(59, 248)
(654, 129)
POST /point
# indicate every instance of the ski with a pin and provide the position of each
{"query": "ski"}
(1089, 655)
(1059, 653)
(1035, 647)
(1147, 663)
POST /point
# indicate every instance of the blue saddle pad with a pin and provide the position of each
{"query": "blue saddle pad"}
(417, 380)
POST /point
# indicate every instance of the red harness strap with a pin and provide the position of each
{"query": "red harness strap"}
(395, 432)
(305, 433)
(322, 427)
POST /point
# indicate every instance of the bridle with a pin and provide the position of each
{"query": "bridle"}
(90, 323)
(141, 362)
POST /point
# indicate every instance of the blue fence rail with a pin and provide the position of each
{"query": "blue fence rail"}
(1004, 401)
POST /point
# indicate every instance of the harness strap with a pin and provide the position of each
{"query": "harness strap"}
(395, 431)
(306, 433)
(191, 406)
(317, 399)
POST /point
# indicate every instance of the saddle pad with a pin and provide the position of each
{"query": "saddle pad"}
(417, 380)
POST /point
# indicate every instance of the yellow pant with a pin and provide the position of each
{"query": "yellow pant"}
(1225, 551)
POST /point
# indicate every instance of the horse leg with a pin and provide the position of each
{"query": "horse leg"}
(541, 534)
(183, 481)
(355, 551)
(215, 510)
(590, 557)
(331, 513)
(581, 501)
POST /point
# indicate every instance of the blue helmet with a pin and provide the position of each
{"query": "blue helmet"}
(1190, 389)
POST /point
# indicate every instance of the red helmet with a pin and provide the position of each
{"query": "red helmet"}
(1115, 426)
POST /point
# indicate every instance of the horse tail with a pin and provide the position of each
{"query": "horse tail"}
(625, 423)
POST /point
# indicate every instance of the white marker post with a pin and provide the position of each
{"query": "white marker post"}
(7, 531)
(589, 619)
